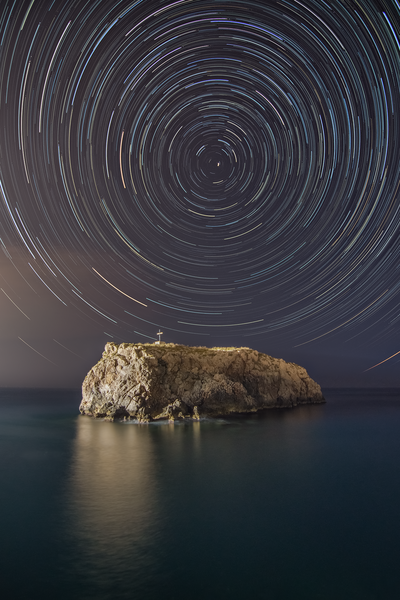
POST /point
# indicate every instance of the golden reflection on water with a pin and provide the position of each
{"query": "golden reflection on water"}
(122, 475)
(113, 490)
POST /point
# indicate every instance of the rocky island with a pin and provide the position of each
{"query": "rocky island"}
(147, 382)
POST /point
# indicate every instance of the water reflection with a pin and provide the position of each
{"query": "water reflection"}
(129, 482)
(113, 508)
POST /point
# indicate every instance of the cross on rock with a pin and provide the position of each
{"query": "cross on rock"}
(160, 333)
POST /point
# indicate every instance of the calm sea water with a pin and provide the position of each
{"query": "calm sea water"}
(290, 504)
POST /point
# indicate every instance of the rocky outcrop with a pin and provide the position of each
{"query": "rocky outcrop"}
(149, 381)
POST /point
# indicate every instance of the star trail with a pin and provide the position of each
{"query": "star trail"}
(227, 171)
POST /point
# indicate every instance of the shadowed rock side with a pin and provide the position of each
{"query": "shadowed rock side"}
(149, 381)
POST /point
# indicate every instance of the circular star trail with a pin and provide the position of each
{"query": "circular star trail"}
(213, 168)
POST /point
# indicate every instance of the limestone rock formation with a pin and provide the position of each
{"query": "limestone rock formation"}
(166, 381)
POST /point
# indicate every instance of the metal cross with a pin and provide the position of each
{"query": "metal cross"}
(160, 333)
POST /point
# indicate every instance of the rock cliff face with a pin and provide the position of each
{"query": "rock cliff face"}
(167, 381)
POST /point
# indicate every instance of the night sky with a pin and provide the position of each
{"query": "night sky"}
(228, 172)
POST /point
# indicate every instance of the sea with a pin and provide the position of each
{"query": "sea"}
(287, 504)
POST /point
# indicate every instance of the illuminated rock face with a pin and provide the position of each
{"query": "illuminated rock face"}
(148, 382)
